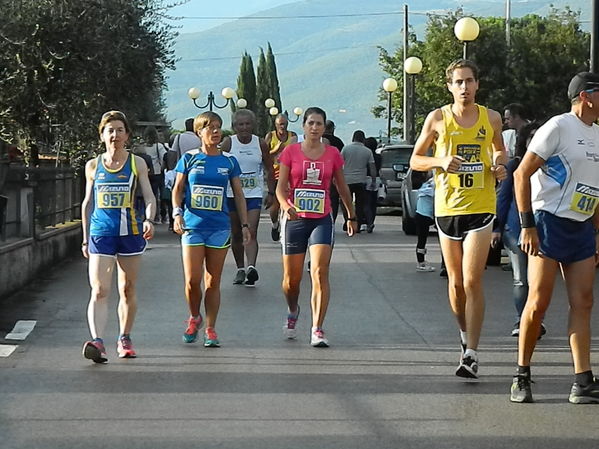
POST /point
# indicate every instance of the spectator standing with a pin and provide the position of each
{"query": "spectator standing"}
(333, 140)
(358, 161)
(372, 189)
(186, 141)
(513, 121)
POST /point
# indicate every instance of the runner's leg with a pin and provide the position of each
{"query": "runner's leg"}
(100, 272)
(128, 269)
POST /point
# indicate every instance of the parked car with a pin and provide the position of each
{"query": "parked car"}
(395, 162)
(412, 181)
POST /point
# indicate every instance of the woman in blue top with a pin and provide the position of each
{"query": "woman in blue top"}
(201, 217)
(508, 226)
(113, 231)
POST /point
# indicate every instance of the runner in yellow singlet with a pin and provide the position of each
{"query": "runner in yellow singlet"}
(277, 140)
(468, 157)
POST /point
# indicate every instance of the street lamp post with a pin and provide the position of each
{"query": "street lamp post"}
(298, 112)
(466, 30)
(390, 86)
(412, 67)
(227, 93)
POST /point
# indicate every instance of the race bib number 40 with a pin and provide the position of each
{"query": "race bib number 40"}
(309, 200)
(207, 197)
(584, 199)
(113, 196)
(469, 176)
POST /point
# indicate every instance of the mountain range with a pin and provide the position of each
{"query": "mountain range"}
(326, 53)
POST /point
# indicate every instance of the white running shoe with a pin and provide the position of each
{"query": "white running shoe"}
(424, 267)
(318, 340)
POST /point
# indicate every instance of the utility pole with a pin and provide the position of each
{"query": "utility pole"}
(508, 19)
(594, 37)
(404, 76)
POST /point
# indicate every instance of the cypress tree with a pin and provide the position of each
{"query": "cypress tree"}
(246, 81)
(273, 79)
(262, 93)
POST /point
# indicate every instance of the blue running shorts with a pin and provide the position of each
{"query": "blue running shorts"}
(210, 239)
(298, 235)
(125, 245)
(250, 204)
(565, 240)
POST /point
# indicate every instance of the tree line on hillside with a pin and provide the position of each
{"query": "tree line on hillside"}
(544, 54)
(255, 89)
(65, 62)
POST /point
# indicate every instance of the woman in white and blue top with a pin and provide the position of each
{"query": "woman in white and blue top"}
(201, 217)
(255, 161)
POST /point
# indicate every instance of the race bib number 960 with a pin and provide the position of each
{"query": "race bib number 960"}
(309, 200)
(207, 197)
(584, 199)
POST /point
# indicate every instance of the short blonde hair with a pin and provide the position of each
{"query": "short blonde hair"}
(112, 116)
(205, 119)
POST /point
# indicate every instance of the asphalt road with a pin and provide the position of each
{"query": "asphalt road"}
(387, 381)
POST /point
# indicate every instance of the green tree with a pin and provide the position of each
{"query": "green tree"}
(262, 93)
(545, 52)
(61, 67)
(273, 78)
(246, 81)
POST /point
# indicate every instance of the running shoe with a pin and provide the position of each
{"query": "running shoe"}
(443, 272)
(275, 232)
(318, 340)
(516, 330)
(363, 228)
(124, 348)
(423, 267)
(468, 368)
(289, 329)
(370, 228)
(521, 391)
(239, 277)
(193, 327)
(543, 331)
(585, 395)
(251, 277)
(94, 350)
(210, 338)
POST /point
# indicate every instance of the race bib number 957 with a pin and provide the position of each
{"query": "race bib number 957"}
(113, 196)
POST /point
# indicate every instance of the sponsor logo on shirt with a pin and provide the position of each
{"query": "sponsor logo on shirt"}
(312, 172)
(223, 171)
(481, 134)
(197, 171)
(592, 156)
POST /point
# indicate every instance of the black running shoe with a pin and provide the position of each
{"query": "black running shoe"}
(275, 233)
(521, 391)
(251, 277)
(468, 368)
(543, 331)
(585, 395)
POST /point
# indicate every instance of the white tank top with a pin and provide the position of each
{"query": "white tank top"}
(249, 156)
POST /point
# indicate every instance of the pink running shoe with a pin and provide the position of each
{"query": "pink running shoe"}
(193, 326)
(124, 348)
(94, 350)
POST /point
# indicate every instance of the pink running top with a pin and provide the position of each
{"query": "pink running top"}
(310, 179)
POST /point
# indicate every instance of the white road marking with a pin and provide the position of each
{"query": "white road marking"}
(6, 350)
(21, 330)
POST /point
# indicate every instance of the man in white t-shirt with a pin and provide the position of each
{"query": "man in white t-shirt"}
(186, 141)
(557, 191)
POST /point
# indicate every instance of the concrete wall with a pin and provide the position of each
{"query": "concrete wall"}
(22, 260)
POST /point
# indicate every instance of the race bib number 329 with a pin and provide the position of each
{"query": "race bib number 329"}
(309, 200)
(207, 197)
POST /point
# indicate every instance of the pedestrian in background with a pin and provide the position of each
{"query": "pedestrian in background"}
(372, 188)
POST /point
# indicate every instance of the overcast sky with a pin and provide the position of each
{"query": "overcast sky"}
(219, 8)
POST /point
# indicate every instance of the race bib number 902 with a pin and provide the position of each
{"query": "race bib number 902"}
(309, 200)
(113, 196)
(207, 197)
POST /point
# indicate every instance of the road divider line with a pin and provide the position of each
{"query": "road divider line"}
(21, 330)
(7, 350)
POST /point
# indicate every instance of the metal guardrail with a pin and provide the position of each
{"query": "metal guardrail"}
(38, 199)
